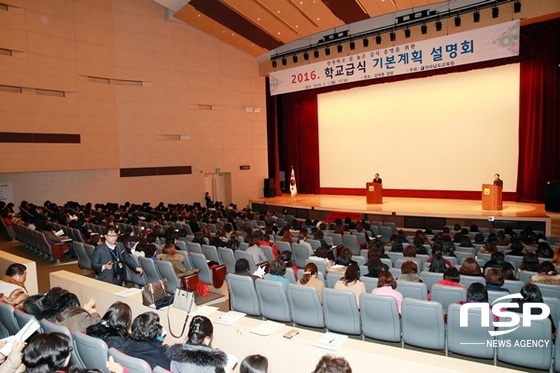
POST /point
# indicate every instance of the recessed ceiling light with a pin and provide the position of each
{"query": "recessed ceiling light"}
(258, 19)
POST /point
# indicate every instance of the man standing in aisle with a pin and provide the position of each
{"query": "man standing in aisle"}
(110, 257)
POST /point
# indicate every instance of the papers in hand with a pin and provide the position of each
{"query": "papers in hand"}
(230, 317)
(267, 328)
(331, 341)
(59, 233)
(25, 332)
(259, 272)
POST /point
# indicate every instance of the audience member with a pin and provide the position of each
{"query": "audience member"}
(409, 272)
(451, 277)
(532, 294)
(331, 364)
(470, 267)
(495, 280)
(547, 274)
(309, 278)
(254, 364)
(386, 285)
(146, 341)
(79, 318)
(351, 281)
(255, 250)
(196, 355)
(243, 268)
(114, 326)
(47, 353)
(12, 285)
(12, 362)
(277, 272)
(170, 254)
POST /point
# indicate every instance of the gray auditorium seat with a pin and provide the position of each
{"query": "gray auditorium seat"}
(471, 341)
(305, 307)
(341, 311)
(132, 364)
(242, 294)
(273, 300)
(380, 317)
(92, 352)
(422, 323)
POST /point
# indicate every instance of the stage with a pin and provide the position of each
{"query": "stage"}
(414, 212)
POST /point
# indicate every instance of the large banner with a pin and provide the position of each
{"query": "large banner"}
(483, 44)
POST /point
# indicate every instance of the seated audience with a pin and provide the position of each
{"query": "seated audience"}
(351, 281)
(547, 274)
(495, 280)
(114, 326)
(451, 277)
(79, 318)
(470, 267)
(255, 250)
(47, 353)
(170, 254)
(146, 341)
(13, 281)
(331, 364)
(532, 294)
(497, 259)
(286, 257)
(530, 263)
(409, 272)
(254, 364)
(242, 267)
(375, 267)
(309, 278)
(277, 272)
(544, 250)
(386, 285)
(196, 355)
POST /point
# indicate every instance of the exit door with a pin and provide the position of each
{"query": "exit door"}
(218, 184)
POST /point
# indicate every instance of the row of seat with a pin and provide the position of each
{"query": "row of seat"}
(422, 323)
(36, 241)
(89, 352)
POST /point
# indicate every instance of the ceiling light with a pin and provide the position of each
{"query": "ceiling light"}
(476, 16)
(406, 33)
(284, 61)
(274, 64)
(316, 53)
(352, 45)
(517, 7)
(393, 36)
(306, 56)
(378, 39)
(495, 12)
(294, 58)
(339, 48)
(439, 26)
(457, 20)
(366, 42)
(327, 51)
(424, 29)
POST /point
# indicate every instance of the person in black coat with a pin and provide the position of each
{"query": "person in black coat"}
(146, 341)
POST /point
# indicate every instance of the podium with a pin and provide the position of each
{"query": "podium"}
(374, 193)
(491, 197)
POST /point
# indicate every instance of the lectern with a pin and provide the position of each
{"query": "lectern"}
(374, 193)
(491, 197)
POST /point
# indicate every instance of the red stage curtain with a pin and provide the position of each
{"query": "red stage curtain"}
(298, 121)
(539, 111)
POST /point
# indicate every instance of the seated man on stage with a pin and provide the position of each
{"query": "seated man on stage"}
(377, 179)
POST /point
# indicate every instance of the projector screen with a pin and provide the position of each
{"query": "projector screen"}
(448, 132)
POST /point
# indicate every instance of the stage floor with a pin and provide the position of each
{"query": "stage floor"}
(424, 207)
